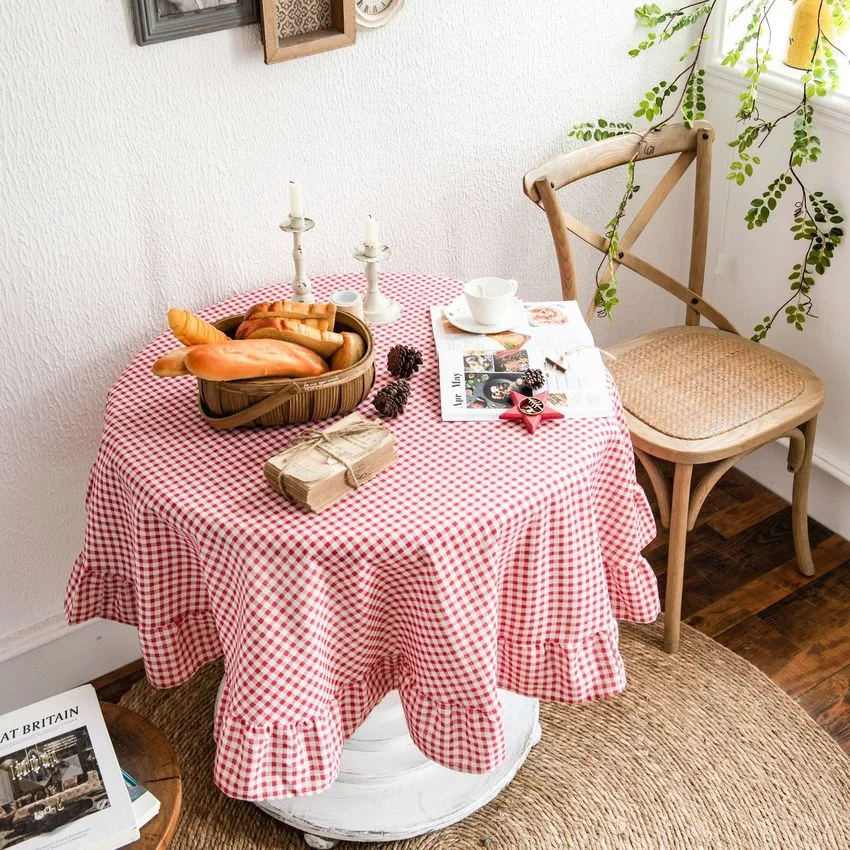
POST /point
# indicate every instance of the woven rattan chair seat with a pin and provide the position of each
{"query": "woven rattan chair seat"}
(694, 385)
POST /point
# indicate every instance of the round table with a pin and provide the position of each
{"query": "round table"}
(144, 752)
(484, 558)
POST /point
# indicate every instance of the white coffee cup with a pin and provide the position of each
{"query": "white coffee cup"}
(490, 299)
(348, 301)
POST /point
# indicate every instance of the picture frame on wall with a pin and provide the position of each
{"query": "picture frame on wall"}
(164, 20)
(295, 28)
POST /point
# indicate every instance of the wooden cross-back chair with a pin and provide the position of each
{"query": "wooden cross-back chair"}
(693, 395)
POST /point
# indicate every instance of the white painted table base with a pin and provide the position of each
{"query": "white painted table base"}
(387, 790)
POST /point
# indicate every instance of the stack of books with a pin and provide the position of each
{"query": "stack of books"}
(320, 467)
(60, 782)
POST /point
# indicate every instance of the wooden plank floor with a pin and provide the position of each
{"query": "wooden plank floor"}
(743, 588)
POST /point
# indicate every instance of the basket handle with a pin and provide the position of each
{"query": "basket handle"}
(255, 411)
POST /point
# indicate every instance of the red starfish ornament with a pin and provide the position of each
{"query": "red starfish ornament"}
(532, 410)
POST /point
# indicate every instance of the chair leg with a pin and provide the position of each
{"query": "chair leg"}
(676, 555)
(800, 502)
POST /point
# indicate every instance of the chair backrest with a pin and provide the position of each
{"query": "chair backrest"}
(691, 144)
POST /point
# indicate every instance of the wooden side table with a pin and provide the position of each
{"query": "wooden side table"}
(144, 752)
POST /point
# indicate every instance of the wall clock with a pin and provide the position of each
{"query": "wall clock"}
(375, 13)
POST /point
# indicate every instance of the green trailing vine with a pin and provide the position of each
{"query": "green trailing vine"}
(816, 220)
(606, 288)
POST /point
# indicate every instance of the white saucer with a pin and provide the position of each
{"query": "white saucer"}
(457, 313)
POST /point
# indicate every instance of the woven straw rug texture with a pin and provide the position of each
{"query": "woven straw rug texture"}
(701, 751)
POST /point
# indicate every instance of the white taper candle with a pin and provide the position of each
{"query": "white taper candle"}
(371, 236)
(296, 200)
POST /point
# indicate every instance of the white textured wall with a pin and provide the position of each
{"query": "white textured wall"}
(136, 178)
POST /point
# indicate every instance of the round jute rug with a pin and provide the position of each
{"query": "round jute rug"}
(701, 751)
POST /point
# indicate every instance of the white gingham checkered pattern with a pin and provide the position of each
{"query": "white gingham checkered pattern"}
(485, 557)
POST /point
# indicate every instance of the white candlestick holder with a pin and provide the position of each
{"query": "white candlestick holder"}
(377, 308)
(301, 287)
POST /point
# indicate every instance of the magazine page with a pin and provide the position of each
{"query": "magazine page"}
(478, 372)
(145, 805)
(60, 783)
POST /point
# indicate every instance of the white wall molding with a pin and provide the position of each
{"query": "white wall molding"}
(36, 635)
(778, 91)
(829, 498)
(832, 465)
(826, 462)
(49, 657)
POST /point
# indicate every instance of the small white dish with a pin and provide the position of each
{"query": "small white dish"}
(457, 313)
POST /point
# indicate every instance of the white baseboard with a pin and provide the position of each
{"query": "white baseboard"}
(50, 657)
(829, 496)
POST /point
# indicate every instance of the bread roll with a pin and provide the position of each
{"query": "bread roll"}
(320, 316)
(247, 326)
(288, 330)
(172, 364)
(253, 358)
(352, 349)
(191, 329)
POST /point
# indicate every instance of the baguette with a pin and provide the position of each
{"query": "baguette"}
(253, 358)
(352, 349)
(319, 316)
(172, 364)
(247, 326)
(193, 330)
(288, 330)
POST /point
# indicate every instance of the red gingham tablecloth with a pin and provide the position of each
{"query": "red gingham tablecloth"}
(485, 557)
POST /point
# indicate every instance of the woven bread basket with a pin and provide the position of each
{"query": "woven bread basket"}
(271, 402)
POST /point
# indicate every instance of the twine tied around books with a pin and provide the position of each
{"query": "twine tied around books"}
(315, 438)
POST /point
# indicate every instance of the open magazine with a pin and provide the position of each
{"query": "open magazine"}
(60, 783)
(478, 372)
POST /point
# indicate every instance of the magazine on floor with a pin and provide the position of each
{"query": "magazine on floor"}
(478, 371)
(60, 784)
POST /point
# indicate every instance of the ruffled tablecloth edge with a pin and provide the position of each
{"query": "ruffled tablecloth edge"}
(266, 754)
(286, 760)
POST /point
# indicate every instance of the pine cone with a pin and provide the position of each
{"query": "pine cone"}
(403, 361)
(390, 400)
(533, 379)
